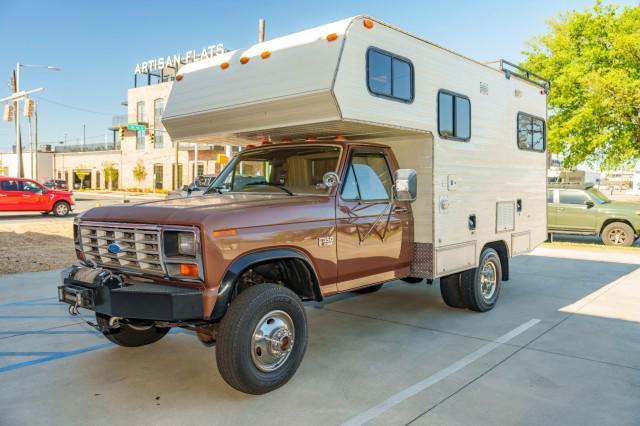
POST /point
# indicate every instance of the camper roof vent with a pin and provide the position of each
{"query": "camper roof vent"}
(510, 69)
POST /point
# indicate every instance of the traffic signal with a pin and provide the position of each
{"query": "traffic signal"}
(153, 137)
(29, 107)
(8, 113)
(121, 131)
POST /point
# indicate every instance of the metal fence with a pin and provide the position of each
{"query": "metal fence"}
(89, 147)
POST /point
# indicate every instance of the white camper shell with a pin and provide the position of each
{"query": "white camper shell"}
(474, 133)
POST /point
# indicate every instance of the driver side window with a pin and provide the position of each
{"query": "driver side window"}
(368, 178)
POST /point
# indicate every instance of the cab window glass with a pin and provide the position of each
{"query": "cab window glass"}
(572, 197)
(31, 187)
(368, 178)
(10, 185)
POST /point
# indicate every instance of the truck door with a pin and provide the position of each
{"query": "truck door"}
(572, 212)
(33, 197)
(370, 227)
(9, 194)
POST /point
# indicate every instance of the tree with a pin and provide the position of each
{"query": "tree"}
(110, 173)
(593, 60)
(139, 172)
(82, 172)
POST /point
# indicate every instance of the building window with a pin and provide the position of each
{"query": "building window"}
(198, 169)
(531, 133)
(389, 76)
(158, 176)
(140, 139)
(177, 184)
(140, 116)
(368, 178)
(454, 116)
(158, 109)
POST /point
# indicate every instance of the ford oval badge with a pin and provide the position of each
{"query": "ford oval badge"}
(114, 248)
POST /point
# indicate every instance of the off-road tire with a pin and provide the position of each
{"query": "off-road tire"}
(369, 289)
(412, 280)
(471, 284)
(450, 289)
(618, 234)
(61, 208)
(234, 341)
(131, 336)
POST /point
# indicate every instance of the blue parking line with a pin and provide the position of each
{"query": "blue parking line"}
(28, 353)
(53, 357)
(41, 299)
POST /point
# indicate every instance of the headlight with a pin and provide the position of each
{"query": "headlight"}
(187, 243)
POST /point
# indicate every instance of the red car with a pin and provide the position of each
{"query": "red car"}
(21, 195)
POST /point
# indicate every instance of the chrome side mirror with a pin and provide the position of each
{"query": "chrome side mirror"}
(406, 187)
(331, 179)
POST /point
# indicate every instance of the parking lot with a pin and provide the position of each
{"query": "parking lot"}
(561, 348)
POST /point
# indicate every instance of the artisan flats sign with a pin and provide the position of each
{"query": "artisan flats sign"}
(173, 61)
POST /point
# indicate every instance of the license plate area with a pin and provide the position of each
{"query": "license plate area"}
(78, 296)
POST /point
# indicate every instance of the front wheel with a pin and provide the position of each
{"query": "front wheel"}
(618, 234)
(481, 286)
(131, 333)
(262, 339)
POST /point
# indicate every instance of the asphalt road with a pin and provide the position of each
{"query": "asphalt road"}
(561, 347)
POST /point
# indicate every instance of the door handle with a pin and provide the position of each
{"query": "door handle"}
(3, 195)
(400, 210)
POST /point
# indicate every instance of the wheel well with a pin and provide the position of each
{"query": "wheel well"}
(501, 248)
(610, 221)
(293, 273)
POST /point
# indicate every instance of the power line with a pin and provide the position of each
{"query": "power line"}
(72, 107)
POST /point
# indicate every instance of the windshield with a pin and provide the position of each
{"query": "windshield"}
(280, 169)
(598, 196)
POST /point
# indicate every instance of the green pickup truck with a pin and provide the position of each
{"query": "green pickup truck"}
(584, 210)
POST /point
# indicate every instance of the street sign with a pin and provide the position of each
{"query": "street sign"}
(136, 127)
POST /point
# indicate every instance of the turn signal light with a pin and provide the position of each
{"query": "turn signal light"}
(265, 54)
(250, 146)
(368, 23)
(332, 37)
(225, 233)
(311, 139)
(340, 138)
(189, 270)
(285, 140)
(244, 60)
(224, 65)
(179, 77)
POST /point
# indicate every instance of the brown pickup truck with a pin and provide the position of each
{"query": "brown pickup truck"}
(281, 225)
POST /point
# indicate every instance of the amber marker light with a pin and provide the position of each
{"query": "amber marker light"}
(368, 23)
(332, 37)
(265, 54)
(189, 270)
(179, 77)
(244, 60)
(311, 139)
(224, 65)
(340, 138)
(224, 233)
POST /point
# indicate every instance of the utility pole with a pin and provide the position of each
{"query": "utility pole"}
(34, 164)
(16, 109)
(83, 136)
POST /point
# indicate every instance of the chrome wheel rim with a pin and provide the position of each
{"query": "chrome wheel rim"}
(272, 341)
(488, 280)
(61, 209)
(617, 236)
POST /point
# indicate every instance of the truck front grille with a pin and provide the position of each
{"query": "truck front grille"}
(138, 246)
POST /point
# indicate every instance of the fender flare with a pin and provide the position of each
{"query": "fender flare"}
(239, 265)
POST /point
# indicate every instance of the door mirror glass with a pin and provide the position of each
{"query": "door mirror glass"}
(589, 204)
(330, 179)
(406, 186)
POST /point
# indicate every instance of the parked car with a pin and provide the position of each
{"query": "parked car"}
(22, 195)
(197, 187)
(56, 184)
(584, 210)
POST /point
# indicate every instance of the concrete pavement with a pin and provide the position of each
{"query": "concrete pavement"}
(578, 364)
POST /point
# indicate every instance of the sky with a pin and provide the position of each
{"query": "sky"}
(98, 43)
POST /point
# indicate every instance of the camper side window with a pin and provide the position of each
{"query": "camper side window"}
(531, 133)
(454, 116)
(389, 76)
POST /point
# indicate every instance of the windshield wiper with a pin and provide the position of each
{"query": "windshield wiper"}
(281, 187)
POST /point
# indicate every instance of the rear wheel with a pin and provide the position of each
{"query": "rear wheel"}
(131, 333)
(450, 289)
(262, 339)
(618, 234)
(61, 208)
(481, 286)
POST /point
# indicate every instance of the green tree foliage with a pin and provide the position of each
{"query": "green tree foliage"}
(110, 173)
(139, 171)
(593, 60)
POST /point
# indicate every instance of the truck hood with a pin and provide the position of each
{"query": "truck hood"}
(221, 211)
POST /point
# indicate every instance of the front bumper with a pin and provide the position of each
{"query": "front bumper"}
(100, 291)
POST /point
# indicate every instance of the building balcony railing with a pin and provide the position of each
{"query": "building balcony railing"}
(111, 146)
(120, 120)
